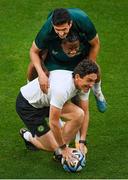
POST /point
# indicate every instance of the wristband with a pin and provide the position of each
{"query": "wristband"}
(82, 141)
(63, 146)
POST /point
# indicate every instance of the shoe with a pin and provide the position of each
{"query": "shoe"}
(28, 144)
(101, 102)
(57, 157)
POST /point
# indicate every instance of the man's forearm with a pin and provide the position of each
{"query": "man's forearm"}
(57, 134)
(36, 60)
(55, 126)
(95, 47)
(93, 53)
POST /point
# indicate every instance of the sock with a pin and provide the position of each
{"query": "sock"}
(27, 135)
(97, 88)
(97, 91)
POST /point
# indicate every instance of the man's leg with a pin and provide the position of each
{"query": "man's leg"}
(82, 133)
(84, 128)
(74, 118)
(45, 142)
(35, 121)
(38, 129)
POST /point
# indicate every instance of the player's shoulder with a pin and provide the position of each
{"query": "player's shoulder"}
(48, 25)
(77, 13)
(61, 74)
(61, 79)
(80, 18)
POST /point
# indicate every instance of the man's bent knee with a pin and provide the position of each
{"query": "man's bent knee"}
(79, 115)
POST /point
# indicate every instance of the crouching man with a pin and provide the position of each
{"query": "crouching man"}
(33, 106)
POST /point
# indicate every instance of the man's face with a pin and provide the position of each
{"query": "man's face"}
(71, 49)
(86, 82)
(63, 29)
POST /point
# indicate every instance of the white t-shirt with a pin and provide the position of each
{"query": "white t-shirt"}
(61, 89)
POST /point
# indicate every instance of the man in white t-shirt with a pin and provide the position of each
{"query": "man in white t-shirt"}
(33, 106)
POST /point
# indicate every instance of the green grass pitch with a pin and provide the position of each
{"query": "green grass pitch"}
(108, 132)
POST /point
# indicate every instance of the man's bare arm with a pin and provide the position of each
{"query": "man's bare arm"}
(36, 61)
(56, 129)
(95, 47)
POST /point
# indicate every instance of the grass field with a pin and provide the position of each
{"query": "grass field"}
(108, 132)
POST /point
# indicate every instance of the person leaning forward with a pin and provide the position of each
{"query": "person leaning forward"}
(33, 106)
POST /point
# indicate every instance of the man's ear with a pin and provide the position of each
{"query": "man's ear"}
(70, 24)
(77, 76)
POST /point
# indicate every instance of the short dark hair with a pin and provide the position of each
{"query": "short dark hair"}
(60, 16)
(71, 37)
(86, 67)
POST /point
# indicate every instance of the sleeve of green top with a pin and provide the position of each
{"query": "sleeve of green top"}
(85, 25)
(42, 36)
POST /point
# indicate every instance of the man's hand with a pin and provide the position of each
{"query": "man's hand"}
(67, 155)
(83, 148)
(44, 84)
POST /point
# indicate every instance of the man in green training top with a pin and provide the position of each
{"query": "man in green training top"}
(59, 23)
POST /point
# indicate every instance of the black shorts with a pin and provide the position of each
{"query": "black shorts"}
(36, 119)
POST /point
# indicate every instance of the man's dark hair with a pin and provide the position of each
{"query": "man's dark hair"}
(60, 16)
(71, 37)
(86, 67)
